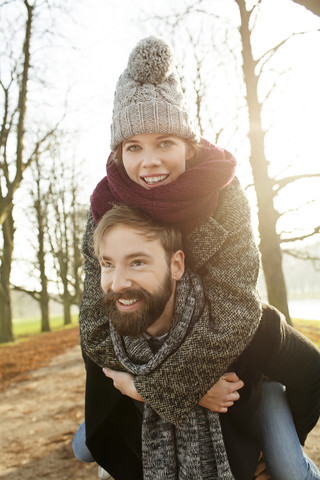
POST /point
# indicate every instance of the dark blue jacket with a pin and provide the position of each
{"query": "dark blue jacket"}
(277, 351)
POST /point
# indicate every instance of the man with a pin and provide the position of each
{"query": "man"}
(155, 303)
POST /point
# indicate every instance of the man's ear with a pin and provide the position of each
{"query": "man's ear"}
(177, 265)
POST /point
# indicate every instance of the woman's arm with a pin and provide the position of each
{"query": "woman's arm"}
(219, 398)
(223, 394)
(223, 252)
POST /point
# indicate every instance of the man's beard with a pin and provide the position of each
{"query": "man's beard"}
(134, 323)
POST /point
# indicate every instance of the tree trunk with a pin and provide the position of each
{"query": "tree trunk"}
(40, 208)
(6, 332)
(44, 306)
(44, 296)
(312, 5)
(7, 201)
(66, 309)
(271, 255)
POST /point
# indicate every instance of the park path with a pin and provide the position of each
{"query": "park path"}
(39, 416)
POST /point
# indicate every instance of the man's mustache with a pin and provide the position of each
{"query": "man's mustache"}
(133, 293)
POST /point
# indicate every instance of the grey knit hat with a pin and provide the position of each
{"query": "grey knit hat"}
(148, 96)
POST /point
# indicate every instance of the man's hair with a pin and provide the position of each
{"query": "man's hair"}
(170, 236)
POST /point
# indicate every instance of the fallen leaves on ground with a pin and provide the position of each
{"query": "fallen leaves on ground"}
(17, 360)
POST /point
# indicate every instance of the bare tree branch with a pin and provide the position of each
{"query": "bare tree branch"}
(283, 182)
(275, 83)
(297, 209)
(34, 293)
(6, 2)
(312, 5)
(302, 237)
(263, 60)
(301, 255)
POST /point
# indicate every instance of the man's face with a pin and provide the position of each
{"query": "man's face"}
(137, 281)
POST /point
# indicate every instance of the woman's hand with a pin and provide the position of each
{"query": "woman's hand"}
(124, 382)
(223, 394)
(261, 472)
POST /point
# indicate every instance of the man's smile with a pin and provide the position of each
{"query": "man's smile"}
(127, 303)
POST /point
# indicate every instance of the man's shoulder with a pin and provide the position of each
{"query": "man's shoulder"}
(270, 323)
(269, 335)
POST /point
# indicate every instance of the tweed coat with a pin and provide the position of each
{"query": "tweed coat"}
(277, 351)
(223, 251)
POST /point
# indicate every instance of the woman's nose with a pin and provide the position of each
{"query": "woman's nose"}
(150, 159)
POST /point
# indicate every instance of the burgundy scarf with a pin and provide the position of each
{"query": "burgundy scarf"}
(186, 202)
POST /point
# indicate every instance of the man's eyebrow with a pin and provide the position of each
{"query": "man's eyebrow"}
(129, 256)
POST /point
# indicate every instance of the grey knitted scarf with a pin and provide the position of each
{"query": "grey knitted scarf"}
(193, 450)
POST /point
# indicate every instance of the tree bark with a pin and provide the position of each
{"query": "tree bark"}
(271, 254)
(312, 5)
(6, 332)
(44, 296)
(40, 207)
(6, 202)
(66, 310)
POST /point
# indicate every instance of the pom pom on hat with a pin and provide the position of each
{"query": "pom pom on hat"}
(151, 61)
(149, 97)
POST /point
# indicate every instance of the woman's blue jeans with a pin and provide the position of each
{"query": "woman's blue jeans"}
(282, 451)
(79, 446)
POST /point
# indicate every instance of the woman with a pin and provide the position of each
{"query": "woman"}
(160, 166)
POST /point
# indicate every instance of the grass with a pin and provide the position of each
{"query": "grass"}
(310, 328)
(27, 327)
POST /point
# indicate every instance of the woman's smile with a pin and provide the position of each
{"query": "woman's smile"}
(154, 180)
(154, 159)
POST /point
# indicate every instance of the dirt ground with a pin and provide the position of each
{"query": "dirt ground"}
(41, 409)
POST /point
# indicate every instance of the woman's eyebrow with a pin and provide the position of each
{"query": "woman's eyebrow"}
(125, 142)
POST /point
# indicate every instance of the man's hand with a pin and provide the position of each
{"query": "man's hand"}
(261, 472)
(124, 382)
(223, 394)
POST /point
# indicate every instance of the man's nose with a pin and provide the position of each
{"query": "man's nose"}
(120, 281)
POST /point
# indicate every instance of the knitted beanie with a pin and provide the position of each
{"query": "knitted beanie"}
(148, 96)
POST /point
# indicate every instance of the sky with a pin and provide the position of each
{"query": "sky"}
(89, 50)
(105, 33)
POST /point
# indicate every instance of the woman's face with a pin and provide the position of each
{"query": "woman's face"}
(154, 159)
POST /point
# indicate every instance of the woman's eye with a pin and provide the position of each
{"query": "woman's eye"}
(133, 148)
(166, 143)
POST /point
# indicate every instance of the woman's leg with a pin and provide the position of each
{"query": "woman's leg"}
(282, 451)
(79, 446)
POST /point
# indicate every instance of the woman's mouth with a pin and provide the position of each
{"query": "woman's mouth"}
(154, 179)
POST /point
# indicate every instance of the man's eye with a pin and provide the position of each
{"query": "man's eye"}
(106, 265)
(138, 263)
